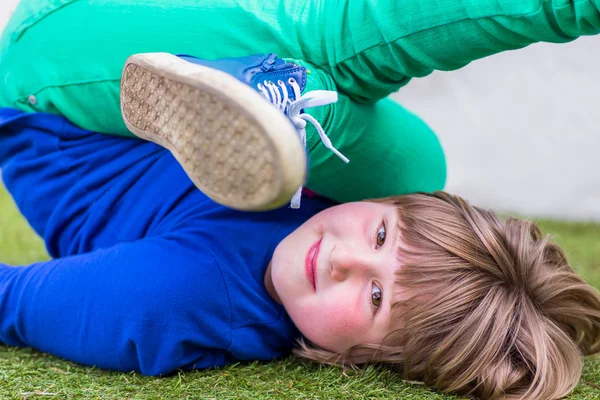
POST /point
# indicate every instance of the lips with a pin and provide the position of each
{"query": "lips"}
(311, 262)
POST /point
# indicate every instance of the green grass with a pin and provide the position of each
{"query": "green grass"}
(28, 374)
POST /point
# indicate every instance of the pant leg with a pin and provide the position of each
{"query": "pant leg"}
(66, 57)
(370, 49)
(40, 43)
(374, 47)
(391, 150)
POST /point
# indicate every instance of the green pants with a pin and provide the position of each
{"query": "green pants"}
(66, 57)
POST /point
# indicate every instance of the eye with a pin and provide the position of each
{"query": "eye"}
(381, 236)
(376, 296)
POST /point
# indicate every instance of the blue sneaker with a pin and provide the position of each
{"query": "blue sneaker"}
(236, 125)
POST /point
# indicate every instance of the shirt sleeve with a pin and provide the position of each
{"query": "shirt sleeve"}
(152, 306)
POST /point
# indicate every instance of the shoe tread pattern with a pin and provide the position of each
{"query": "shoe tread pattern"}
(222, 150)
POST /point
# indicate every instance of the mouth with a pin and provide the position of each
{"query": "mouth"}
(311, 262)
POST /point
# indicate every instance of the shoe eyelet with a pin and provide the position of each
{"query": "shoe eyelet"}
(291, 80)
(280, 82)
(260, 86)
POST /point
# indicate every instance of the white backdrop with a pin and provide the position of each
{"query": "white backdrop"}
(521, 129)
(6, 7)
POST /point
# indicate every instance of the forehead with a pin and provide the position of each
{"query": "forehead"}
(365, 207)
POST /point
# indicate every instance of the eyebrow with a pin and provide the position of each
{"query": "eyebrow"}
(389, 297)
(366, 227)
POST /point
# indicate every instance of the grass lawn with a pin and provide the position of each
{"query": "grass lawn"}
(27, 374)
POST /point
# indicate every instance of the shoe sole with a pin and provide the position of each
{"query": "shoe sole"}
(235, 146)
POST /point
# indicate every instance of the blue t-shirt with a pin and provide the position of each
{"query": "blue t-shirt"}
(148, 273)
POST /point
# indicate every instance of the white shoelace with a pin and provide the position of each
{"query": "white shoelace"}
(279, 96)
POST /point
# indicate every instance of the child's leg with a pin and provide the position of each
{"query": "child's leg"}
(66, 57)
(385, 48)
(69, 55)
(391, 150)
(373, 47)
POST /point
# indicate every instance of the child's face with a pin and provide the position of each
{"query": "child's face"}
(352, 248)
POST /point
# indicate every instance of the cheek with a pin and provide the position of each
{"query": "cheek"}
(339, 325)
(344, 317)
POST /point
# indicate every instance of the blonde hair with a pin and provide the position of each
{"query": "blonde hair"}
(495, 309)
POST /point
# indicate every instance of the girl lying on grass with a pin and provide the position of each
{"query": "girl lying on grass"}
(152, 275)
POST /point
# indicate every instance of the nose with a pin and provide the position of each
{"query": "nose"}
(346, 262)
